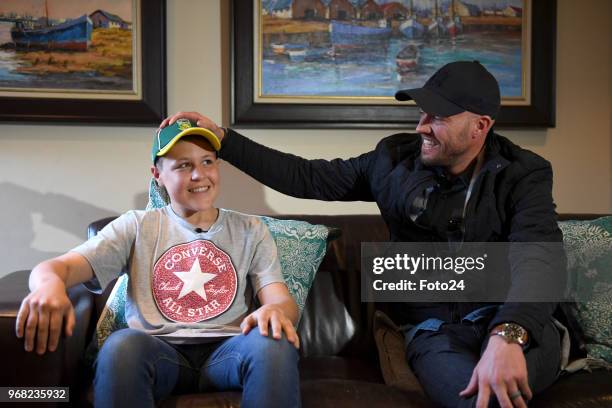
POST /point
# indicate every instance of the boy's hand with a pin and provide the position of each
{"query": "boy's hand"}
(41, 316)
(199, 119)
(271, 315)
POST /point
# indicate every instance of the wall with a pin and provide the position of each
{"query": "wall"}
(55, 179)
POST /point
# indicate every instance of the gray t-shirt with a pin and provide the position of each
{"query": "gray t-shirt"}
(184, 283)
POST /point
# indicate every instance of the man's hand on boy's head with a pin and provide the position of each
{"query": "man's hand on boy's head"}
(271, 315)
(200, 121)
(42, 315)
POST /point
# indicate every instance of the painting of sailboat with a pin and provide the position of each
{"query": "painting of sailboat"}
(352, 49)
(57, 46)
(411, 27)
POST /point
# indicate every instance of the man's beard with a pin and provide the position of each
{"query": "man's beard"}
(451, 154)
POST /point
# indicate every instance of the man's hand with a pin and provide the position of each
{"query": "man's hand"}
(274, 316)
(200, 121)
(42, 315)
(503, 370)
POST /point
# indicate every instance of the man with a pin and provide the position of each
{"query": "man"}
(458, 181)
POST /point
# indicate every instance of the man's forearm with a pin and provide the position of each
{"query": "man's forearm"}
(336, 180)
(532, 316)
(283, 172)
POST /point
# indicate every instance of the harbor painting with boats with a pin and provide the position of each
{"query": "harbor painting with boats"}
(65, 45)
(352, 49)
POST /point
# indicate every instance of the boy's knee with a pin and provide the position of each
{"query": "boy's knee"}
(271, 349)
(121, 347)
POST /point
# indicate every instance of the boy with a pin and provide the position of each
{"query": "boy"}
(188, 263)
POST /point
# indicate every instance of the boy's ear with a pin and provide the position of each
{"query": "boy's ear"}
(155, 173)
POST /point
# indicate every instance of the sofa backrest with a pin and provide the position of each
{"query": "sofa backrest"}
(335, 320)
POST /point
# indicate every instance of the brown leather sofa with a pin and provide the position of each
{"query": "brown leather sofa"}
(339, 364)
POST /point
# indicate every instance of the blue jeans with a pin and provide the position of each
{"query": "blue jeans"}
(443, 356)
(135, 369)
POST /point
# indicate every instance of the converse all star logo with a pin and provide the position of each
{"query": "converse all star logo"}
(193, 282)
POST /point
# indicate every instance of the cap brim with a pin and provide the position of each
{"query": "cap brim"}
(429, 101)
(205, 133)
(403, 95)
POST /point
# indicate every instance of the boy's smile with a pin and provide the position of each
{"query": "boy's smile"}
(199, 189)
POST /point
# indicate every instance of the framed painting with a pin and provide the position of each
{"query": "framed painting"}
(338, 63)
(96, 61)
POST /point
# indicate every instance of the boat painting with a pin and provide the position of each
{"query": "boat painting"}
(72, 35)
(340, 51)
(453, 27)
(407, 60)
(66, 48)
(351, 34)
(411, 28)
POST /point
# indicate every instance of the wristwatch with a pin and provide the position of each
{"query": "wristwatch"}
(512, 333)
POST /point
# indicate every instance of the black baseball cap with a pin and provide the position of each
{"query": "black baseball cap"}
(457, 87)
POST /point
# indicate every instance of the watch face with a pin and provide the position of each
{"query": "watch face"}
(512, 333)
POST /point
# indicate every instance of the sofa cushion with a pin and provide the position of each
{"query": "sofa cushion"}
(327, 336)
(392, 356)
(342, 368)
(319, 393)
(336, 393)
(203, 400)
(301, 248)
(588, 246)
(577, 390)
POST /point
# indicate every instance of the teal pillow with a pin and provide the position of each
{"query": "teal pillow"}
(112, 317)
(301, 248)
(588, 245)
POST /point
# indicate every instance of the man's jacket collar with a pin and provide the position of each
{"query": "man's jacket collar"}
(494, 162)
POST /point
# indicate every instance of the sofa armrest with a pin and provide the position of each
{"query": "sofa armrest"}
(62, 367)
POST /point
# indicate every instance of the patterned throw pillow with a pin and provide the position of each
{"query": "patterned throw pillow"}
(301, 248)
(588, 245)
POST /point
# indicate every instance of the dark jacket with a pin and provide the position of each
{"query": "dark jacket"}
(511, 201)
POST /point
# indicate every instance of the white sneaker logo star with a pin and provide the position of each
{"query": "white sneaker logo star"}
(194, 280)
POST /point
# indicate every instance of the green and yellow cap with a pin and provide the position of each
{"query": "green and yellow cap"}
(165, 138)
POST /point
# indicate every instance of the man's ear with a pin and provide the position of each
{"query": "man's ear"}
(483, 124)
